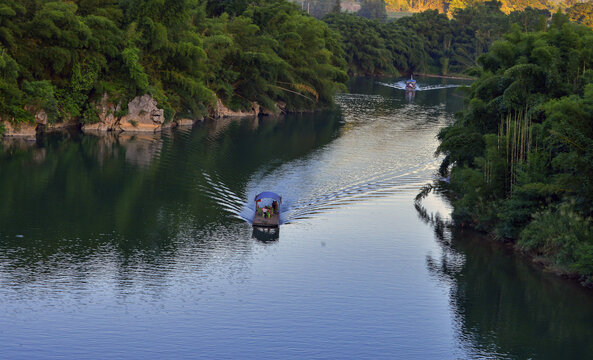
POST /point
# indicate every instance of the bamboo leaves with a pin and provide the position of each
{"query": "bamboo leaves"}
(537, 161)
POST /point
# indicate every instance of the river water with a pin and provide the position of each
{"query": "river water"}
(141, 246)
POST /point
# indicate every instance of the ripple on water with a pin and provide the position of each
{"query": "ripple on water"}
(374, 156)
(402, 86)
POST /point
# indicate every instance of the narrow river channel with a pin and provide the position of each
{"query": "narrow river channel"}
(140, 246)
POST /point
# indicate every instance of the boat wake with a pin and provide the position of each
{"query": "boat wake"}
(385, 148)
(378, 186)
(222, 196)
(300, 201)
(401, 85)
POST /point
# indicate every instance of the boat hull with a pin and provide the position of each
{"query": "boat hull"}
(266, 235)
(271, 222)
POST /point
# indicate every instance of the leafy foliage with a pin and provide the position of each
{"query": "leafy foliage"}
(373, 9)
(522, 150)
(427, 41)
(581, 13)
(63, 56)
(449, 6)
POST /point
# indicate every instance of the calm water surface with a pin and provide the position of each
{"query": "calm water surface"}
(141, 247)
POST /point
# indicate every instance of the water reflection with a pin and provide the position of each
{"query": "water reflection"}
(266, 235)
(504, 306)
(410, 94)
(120, 239)
(68, 200)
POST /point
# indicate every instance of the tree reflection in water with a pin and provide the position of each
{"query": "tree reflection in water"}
(503, 306)
(75, 205)
(266, 235)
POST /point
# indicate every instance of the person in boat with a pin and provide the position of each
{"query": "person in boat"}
(275, 205)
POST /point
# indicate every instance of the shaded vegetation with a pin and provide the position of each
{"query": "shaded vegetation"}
(581, 13)
(62, 56)
(521, 152)
(427, 41)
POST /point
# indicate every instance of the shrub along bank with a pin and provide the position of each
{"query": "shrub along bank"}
(62, 57)
(520, 155)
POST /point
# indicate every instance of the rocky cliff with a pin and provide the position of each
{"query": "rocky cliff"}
(143, 115)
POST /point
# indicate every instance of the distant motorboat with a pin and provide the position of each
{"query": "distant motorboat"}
(267, 216)
(411, 84)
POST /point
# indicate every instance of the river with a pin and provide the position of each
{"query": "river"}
(140, 246)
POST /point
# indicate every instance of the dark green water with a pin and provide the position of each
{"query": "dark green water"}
(140, 246)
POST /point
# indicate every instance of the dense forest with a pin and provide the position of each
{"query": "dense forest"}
(507, 6)
(63, 56)
(518, 158)
(429, 41)
(578, 11)
(520, 155)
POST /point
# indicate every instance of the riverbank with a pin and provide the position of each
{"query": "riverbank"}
(143, 115)
(539, 260)
(186, 68)
(519, 156)
(452, 77)
(142, 236)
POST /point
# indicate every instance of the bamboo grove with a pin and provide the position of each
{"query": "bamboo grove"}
(520, 155)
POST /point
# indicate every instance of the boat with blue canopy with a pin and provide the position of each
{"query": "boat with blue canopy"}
(411, 84)
(267, 209)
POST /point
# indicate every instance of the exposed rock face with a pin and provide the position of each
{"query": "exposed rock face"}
(41, 117)
(22, 129)
(26, 130)
(107, 118)
(61, 126)
(221, 111)
(185, 122)
(143, 115)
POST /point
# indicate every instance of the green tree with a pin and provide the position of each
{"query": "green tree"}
(521, 151)
(581, 13)
(216, 8)
(373, 9)
(365, 47)
(531, 19)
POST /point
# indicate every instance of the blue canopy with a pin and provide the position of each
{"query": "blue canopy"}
(268, 195)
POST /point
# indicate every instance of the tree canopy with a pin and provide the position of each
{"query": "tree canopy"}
(521, 152)
(63, 56)
(424, 42)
